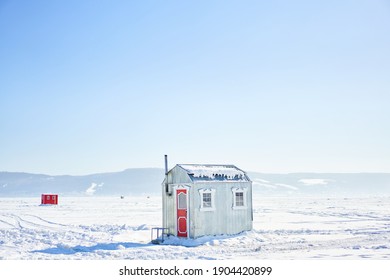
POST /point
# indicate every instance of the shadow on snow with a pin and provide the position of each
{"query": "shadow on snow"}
(65, 250)
(172, 240)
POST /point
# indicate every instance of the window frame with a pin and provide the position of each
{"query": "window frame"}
(212, 199)
(244, 191)
(239, 199)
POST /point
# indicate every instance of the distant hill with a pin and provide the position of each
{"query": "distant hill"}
(329, 184)
(129, 181)
(148, 181)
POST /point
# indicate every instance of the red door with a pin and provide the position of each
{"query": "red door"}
(181, 202)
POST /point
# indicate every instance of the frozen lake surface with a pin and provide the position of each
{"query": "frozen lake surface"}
(113, 228)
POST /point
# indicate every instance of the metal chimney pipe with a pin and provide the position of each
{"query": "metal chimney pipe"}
(166, 165)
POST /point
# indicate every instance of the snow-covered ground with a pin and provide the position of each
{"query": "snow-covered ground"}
(113, 228)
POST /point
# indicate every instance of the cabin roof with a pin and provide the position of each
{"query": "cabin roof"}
(214, 172)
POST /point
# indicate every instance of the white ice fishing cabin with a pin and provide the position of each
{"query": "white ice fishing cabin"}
(206, 199)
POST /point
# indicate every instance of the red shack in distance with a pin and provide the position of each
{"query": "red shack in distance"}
(49, 199)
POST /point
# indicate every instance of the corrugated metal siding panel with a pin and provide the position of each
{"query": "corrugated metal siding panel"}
(169, 212)
(224, 219)
(178, 175)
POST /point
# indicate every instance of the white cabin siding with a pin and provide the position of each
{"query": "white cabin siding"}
(224, 219)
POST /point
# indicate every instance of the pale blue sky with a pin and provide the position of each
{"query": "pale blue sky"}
(271, 86)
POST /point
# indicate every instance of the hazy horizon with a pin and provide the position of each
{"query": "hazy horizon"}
(162, 169)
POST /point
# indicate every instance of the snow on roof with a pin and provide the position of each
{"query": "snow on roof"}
(212, 172)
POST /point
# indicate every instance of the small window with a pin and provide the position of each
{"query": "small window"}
(207, 199)
(182, 201)
(239, 198)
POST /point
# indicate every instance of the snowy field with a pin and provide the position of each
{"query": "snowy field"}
(113, 228)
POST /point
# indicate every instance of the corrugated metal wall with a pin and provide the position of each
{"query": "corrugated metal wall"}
(224, 219)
